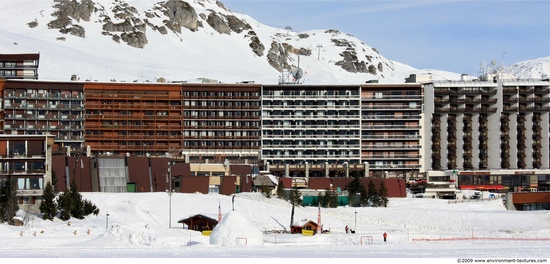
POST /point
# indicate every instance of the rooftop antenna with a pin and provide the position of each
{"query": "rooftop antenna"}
(483, 68)
(493, 63)
(296, 71)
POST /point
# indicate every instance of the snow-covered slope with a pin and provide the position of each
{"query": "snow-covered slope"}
(144, 225)
(138, 40)
(532, 69)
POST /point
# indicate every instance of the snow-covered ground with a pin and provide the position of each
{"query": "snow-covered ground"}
(141, 225)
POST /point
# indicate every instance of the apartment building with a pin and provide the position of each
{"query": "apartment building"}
(330, 130)
(221, 123)
(351, 128)
(25, 160)
(464, 121)
(133, 119)
(44, 107)
(311, 124)
(492, 133)
(391, 130)
(378, 130)
(19, 66)
(525, 124)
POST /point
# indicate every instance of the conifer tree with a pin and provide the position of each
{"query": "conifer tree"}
(383, 194)
(54, 181)
(372, 193)
(8, 201)
(323, 198)
(48, 206)
(364, 199)
(281, 190)
(266, 191)
(330, 199)
(77, 209)
(71, 204)
(295, 199)
(354, 187)
(65, 205)
(90, 208)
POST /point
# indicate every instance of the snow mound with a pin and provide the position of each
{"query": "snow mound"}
(235, 229)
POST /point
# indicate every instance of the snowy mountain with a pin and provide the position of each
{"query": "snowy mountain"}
(536, 69)
(138, 40)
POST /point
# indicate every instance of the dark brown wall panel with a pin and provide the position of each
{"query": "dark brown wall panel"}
(192, 184)
(241, 171)
(58, 166)
(35, 147)
(319, 183)
(138, 170)
(395, 187)
(341, 182)
(531, 197)
(79, 169)
(159, 169)
(228, 185)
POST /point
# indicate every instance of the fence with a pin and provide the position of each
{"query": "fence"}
(239, 241)
(367, 239)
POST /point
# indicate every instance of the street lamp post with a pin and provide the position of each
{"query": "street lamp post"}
(355, 228)
(107, 222)
(169, 191)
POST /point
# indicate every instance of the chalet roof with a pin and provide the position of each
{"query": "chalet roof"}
(197, 216)
(304, 222)
(263, 180)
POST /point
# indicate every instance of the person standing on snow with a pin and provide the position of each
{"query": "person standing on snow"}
(385, 235)
(347, 229)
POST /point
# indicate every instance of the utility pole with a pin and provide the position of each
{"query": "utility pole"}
(169, 191)
(288, 28)
(355, 228)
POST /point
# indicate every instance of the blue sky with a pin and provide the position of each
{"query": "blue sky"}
(451, 35)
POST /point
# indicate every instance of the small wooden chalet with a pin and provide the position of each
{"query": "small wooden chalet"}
(264, 180)
(298, 227)
(199, 222)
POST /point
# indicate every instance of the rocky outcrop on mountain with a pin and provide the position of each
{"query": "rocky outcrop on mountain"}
(177, 15)
(277, 56)
(297, 51)
(66, 11)
(255, 43)
(125, 23)
(350, 62)
(218, 23)
(237, 25)
(131, 30)
(136, 24)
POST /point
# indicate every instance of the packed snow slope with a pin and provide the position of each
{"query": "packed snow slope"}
(138, 40)
(189, 41)
(143, 225)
